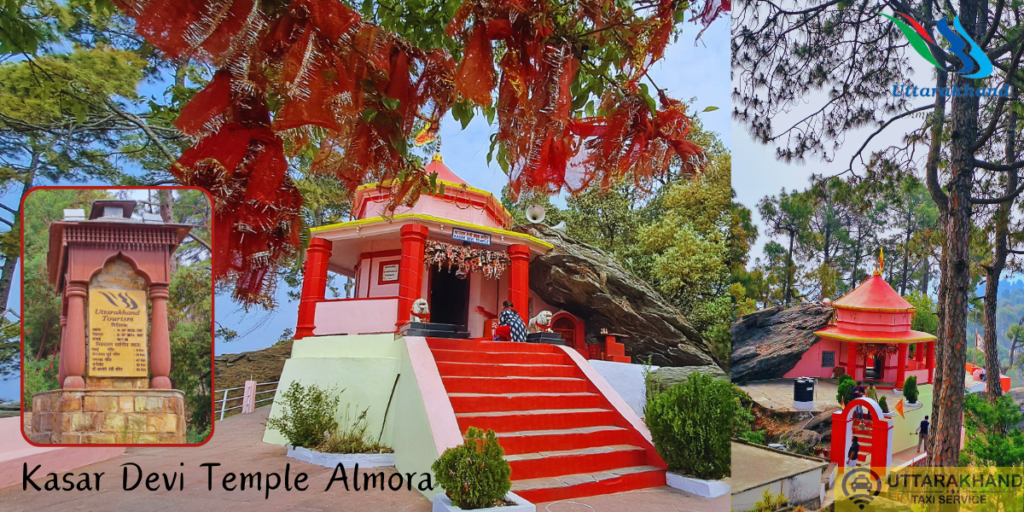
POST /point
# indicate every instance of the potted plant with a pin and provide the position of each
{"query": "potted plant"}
(845, 394)
(686, 422)
(910, 391)
(882, 404)
(476, 476)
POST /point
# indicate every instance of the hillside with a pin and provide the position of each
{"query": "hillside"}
(232, 370)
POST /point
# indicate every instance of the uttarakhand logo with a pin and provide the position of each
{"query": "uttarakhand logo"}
(860, 485)
(975, 63)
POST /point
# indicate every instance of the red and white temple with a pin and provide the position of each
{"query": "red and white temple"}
(386, 259)
(869, 338)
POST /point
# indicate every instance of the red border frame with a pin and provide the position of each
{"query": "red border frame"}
(213, 313)
(380, 271)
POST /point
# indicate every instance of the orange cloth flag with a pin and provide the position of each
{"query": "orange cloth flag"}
(899, 408)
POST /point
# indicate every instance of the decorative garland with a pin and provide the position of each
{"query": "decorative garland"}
(873, 349)
(466, 259)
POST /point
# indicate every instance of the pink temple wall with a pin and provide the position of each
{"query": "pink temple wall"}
(355, 316)
(428, 205)
(810, 364)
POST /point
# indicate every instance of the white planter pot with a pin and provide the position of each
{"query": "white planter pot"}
(443, 504)
(347, 460)
(912, 404)
(898, 391)
(703, 488)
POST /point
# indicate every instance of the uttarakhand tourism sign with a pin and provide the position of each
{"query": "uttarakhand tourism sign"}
(117, 333)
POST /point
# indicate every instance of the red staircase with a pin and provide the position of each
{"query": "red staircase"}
(561, 436)
(862, 430)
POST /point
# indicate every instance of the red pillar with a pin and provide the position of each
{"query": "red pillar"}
(901, 365)
(838, 452)
(410, 272)
(314, 285)
(931, 362)
(851, 360)
(159, 339)
(919, 353)
(61, 372)
(519, 279)
(74, 341)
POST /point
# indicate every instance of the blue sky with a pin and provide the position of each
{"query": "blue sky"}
(691, 69)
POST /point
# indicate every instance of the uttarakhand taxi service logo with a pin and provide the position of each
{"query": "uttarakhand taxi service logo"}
(963, 489)
(964, 54)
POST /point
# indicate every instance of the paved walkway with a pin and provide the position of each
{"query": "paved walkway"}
(777, 395)
(237, 445)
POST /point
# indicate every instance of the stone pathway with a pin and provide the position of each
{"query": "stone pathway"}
(777, 395)
(237, 445)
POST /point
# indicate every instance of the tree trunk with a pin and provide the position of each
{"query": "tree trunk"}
(789, 267)
(167, 215)
(7, 271)
(949, 395)
(906, 248)
(1000, 251)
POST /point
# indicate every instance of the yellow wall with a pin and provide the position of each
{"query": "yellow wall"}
(903, 436)
(366, 366)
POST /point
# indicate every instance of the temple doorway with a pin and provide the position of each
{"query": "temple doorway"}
(875, 370)
(567, 329)
(449, 297)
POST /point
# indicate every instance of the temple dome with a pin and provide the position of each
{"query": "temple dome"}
(874, 294)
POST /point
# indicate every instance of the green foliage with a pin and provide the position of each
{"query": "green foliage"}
(925, 319)
(475, 474)
(993, 435)
(307, 414)
(882, 404)
(39, 376)
(190, 317)
(350, 437)
(743, 426)
(845, 389)
(691, 424)
(770, 502)
(910, 391)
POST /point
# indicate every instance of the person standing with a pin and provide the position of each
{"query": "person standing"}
(851, 456)
(512, 321)
(872, 393)
(922, 431)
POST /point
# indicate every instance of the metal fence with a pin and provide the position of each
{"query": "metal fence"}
(245, 397)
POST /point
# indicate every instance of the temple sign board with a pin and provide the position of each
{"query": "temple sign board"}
(117, 333)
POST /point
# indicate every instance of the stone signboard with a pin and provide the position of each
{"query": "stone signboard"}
(117, 333)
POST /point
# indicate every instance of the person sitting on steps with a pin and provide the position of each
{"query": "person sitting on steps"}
(510, 324)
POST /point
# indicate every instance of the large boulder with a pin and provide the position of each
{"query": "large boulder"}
(590, 284)
(768, 343)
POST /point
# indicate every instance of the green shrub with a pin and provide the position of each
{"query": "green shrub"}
(845, 393)
(350, 437)
(307, 414)
(910, 391)
(883, 405)
(770, 502)
(39, 376)
(475, 474)
(691, 424)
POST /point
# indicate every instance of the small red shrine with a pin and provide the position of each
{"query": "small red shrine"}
(870, 329)
(453, 249)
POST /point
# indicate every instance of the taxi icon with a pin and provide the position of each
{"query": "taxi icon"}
(861, 483)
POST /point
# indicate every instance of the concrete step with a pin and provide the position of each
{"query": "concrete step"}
(540, 490)
(515, 384)
(476, 356)
(488, 346)
(529, 441)
(482, 402)
(462, 369)
(550, 419)
(546, 464)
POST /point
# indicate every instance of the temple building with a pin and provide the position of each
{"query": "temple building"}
(424, 375)
(478, 264)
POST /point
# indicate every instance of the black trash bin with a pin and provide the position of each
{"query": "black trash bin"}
(803, 393)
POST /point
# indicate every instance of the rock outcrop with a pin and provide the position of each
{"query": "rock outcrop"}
(768, 343)
(590, 284)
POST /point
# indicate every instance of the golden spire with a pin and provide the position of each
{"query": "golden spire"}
(881, 262)
(437, 157)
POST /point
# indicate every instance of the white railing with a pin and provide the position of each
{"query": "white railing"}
(248, 397)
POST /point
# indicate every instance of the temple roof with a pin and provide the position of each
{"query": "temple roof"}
(874, 294)
(842, 334)
(443, 172)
